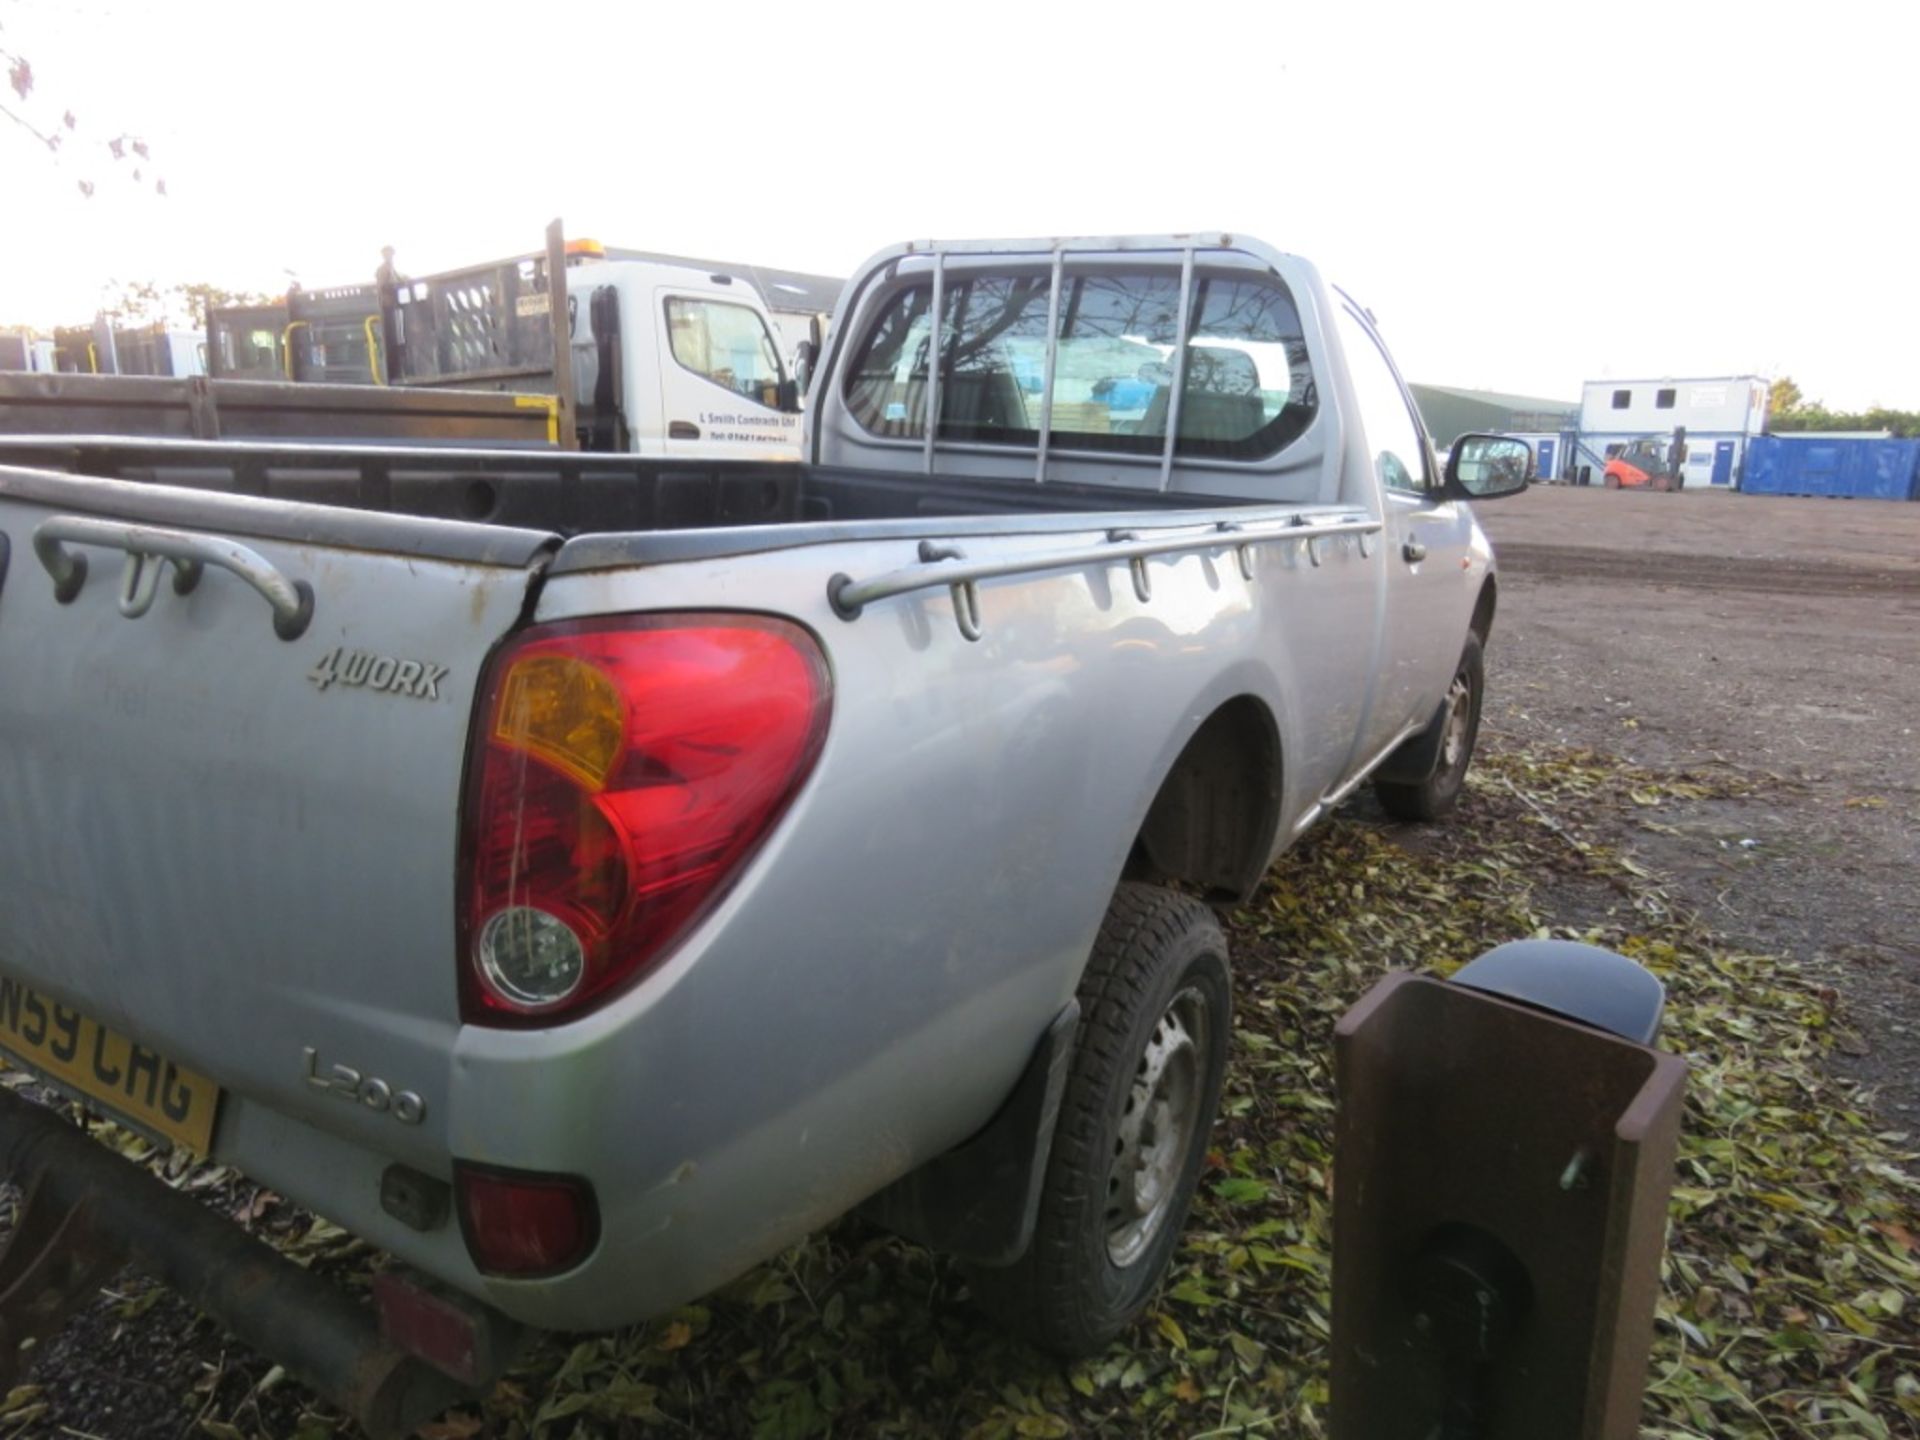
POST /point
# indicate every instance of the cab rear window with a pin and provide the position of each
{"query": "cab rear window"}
(1248, 391)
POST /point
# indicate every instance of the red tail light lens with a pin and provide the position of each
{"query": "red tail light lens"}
(625, 771)
(523, 1225)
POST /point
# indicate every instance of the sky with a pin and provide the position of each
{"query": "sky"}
(1526, 195)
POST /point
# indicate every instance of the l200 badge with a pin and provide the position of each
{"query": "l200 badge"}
(347, 1083)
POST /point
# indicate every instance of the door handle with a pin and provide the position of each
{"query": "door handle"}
(1414, 552)
(682, 430)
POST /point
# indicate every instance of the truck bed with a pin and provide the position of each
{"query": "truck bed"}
(569, 494)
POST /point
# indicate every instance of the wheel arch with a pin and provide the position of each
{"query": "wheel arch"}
(1213, 817)
(1484, 607)
(1210, 825)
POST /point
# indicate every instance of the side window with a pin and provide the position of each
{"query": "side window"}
(887, 376)
(1249, 389)
(727, 344)
(1392, 436)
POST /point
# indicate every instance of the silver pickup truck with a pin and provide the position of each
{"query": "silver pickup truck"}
(584, 879)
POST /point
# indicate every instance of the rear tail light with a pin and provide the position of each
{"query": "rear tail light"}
(624, 772)
(523, 1225)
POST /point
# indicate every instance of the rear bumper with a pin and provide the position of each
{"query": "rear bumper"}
(685, 1204)
(711, 1138)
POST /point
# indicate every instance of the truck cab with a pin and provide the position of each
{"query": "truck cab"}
(666, 360)
(673, 361)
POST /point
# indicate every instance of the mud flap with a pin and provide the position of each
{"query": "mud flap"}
(1418, 754)
(978, 1201)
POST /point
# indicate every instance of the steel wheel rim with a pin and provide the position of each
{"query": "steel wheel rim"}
(1159, 1126)
(1459, 715)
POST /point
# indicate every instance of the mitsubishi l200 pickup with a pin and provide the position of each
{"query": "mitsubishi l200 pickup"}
(582, 876)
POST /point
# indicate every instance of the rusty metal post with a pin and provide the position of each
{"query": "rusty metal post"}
(558, 319)
(55, 1261)
(79, 1192)
(1501, 1181)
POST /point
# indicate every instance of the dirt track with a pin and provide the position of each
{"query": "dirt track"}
(1864, 535)
(1708, 572)
(1775, 635)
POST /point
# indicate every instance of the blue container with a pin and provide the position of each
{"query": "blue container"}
(1857, 469)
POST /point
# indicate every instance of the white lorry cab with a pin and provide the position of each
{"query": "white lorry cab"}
(674, 361)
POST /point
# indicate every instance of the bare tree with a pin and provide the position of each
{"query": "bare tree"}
(62, 135)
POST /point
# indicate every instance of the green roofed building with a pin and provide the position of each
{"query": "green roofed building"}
(1451, 413)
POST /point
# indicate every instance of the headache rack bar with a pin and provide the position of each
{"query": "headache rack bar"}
(1185, 245)
(945, 563)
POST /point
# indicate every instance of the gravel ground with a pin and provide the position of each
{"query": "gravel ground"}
(1770, 634)
(1685, 631)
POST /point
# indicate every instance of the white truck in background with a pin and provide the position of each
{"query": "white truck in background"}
(677, 362)
(660, 360)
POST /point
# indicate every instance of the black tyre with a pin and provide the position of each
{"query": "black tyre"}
(1156, 1010)
(1433, 797)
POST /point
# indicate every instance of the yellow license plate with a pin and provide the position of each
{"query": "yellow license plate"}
(104, 1065)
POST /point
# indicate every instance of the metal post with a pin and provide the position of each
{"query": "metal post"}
(323, 1337)
(1496, 1257)
(1053, 348)
(1179, 367)
(933, 354)
(562, 333)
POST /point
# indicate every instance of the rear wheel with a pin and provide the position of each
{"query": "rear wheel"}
(1433, 797)
(1155, 1013)
(1613, 482)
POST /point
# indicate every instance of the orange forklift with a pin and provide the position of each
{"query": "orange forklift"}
(1652, 462)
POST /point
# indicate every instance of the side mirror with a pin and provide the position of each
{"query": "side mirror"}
(805, 356)
(1486, 467)
(787, 400)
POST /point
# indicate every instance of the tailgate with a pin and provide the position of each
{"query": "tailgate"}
(235, 848)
